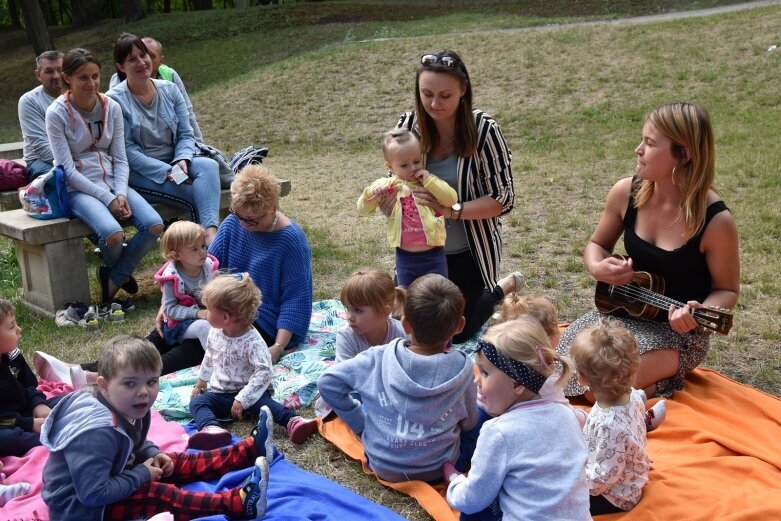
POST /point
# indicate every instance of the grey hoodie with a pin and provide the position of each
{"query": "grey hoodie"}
(89, 452)
(94, 164)
(416, 407)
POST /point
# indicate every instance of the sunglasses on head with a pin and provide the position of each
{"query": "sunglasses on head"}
(248, 222)
(427, 60)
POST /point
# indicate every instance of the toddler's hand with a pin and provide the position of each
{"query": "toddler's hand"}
(422, 174)
(237, 410)
(202, 314)
(199, 388)
(37, 424)
(155, 472)
(163, 462)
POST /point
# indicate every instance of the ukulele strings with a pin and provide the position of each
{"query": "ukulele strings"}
(652, 298)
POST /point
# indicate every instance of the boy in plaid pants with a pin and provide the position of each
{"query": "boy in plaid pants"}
(102, 466)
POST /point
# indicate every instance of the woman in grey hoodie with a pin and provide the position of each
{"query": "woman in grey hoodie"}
(86, 135)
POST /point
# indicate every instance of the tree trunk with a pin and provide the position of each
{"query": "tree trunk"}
(85, 12)
(13, 12)
(35, 27)
(202, 5)
(133, 10)
(166, 6)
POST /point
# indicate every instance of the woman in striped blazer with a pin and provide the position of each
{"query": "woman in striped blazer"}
(465, 147)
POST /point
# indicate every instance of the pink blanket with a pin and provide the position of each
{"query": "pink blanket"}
(169, 436)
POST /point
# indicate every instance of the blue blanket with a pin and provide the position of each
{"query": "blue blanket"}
(295, 494)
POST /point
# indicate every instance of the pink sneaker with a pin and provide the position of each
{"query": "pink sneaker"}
(210, 437)
(299, 429)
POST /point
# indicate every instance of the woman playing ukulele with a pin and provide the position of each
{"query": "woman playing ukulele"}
(675, 225)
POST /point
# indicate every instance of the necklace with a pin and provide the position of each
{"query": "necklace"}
(274, 222)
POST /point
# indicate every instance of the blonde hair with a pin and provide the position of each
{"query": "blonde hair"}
(255, 189)
(235, 294)
(399, 137)
(433, 307)
(514, 306)
(128, 351)
(371, 287)
(688, 127)
(608, 356)
(179, 235)
(523, 339)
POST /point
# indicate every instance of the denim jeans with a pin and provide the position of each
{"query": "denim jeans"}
(37, 167)
(206, 408)
(201, 198)
(96, 215)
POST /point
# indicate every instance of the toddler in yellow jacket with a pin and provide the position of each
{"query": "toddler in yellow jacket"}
(414, 229)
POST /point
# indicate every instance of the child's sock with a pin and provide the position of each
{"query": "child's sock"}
(655, 415)
(8, 492)
(253, 492)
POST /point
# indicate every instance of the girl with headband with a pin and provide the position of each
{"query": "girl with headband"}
(530, 459)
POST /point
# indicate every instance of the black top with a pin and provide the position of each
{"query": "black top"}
(18, 393)
(684, 269)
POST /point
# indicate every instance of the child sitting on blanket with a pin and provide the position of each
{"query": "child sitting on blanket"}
(101, 465)
(529, 459)
(417, 396)
(414, 229)
(188, 269)
(236, 366)
(23, 408)
(607, 358)
(369, 296)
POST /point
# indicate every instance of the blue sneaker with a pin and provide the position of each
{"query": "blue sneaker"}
(253, 492)
(263, 433)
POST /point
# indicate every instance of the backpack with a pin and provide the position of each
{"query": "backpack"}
(226, 172)
(251, 155)
(46, 197)
(12, 175)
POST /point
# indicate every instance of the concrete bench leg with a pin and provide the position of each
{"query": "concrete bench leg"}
(53, 274)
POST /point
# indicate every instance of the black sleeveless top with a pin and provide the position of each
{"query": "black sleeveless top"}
(684, 269)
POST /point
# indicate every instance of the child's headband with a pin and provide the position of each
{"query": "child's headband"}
(518, 371)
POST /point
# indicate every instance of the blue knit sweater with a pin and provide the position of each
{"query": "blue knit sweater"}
(280, 264)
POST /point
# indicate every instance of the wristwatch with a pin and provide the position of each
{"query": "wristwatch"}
(456, 211)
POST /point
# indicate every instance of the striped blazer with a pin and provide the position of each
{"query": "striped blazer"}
(488, 172)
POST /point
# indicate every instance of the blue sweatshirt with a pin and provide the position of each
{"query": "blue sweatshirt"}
(416, 407)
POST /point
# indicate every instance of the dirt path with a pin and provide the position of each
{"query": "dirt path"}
(663, 17)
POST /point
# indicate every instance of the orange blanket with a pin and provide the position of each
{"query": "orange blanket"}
(717, 456)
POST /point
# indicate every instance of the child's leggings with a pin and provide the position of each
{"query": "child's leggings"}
(161, 496)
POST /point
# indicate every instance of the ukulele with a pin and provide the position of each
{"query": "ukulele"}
(644, 297)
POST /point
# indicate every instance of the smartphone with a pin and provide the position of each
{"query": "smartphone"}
(178, 175)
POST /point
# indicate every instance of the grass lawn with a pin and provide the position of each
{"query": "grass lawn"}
(570, 102)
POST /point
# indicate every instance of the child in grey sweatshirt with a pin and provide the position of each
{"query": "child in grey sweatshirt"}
(417, 397)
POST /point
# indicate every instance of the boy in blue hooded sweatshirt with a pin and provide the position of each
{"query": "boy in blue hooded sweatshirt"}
(417, 396)
(102, 466)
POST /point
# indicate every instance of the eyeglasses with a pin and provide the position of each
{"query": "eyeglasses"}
(248, 222)
(427, 60)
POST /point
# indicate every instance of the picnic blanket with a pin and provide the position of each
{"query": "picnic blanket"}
(716, 456)
(293, 493)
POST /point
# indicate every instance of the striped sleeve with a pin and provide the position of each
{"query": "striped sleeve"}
(495, 159)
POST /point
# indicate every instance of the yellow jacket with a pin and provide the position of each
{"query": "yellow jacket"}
(433, 225)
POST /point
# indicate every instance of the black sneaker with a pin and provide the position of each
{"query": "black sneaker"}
(116, 310)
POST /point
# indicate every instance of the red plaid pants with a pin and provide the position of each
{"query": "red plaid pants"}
(161, 496)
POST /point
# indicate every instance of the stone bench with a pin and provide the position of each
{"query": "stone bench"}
(51, 254)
